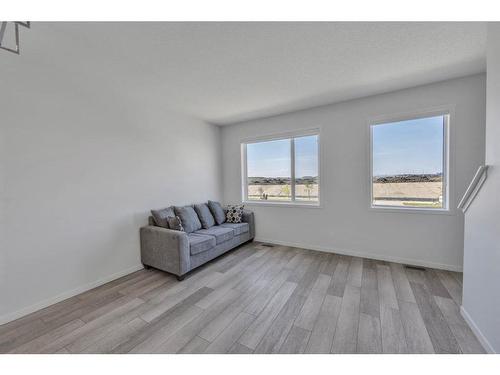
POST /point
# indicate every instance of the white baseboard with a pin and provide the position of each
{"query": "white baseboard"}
(361, 254)
(40, 305)
(482, 339)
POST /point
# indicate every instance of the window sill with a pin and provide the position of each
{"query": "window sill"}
(412, 210)
(282, 204)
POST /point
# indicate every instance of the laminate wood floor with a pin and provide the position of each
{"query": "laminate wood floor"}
(258, 299)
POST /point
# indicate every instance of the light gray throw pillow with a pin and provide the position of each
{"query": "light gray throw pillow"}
(217, 211)
(205, 216)
(175, 223)
(161, 216)
(188, 217)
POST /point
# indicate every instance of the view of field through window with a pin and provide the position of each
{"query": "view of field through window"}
(269, 170)
(408, 163)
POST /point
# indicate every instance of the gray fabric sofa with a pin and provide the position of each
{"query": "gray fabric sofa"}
(178, 252)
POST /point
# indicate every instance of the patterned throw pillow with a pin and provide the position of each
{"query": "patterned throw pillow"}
(175, 223)
(234, 213)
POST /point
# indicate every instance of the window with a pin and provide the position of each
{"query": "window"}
(409, 163)
(282, 170)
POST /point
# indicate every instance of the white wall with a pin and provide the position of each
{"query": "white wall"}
(481, 300)
(81, 165)
(344, 223)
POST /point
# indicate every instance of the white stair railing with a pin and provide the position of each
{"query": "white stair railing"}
(474, 187)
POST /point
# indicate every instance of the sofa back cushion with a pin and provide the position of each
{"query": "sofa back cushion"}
(160, 216)
(188, 217)
(205, 216)
(217, 212)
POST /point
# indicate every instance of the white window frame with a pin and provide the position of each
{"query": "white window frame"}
(291, 136)
(447, 113)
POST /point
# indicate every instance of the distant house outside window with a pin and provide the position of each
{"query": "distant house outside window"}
(409, 163)
(282, 169)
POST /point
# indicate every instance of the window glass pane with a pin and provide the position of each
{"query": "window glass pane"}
(268, 170)
(306, 169)
(407, 163)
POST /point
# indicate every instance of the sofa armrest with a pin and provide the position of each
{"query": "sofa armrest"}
(165, 249)
(249, 217)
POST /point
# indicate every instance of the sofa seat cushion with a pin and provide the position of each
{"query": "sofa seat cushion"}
(198, 243)
(238, 228)
(220, 233)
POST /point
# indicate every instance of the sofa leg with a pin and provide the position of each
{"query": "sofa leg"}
(180, 278)
(146, 267)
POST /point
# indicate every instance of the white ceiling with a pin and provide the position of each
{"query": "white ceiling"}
(230, 72)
